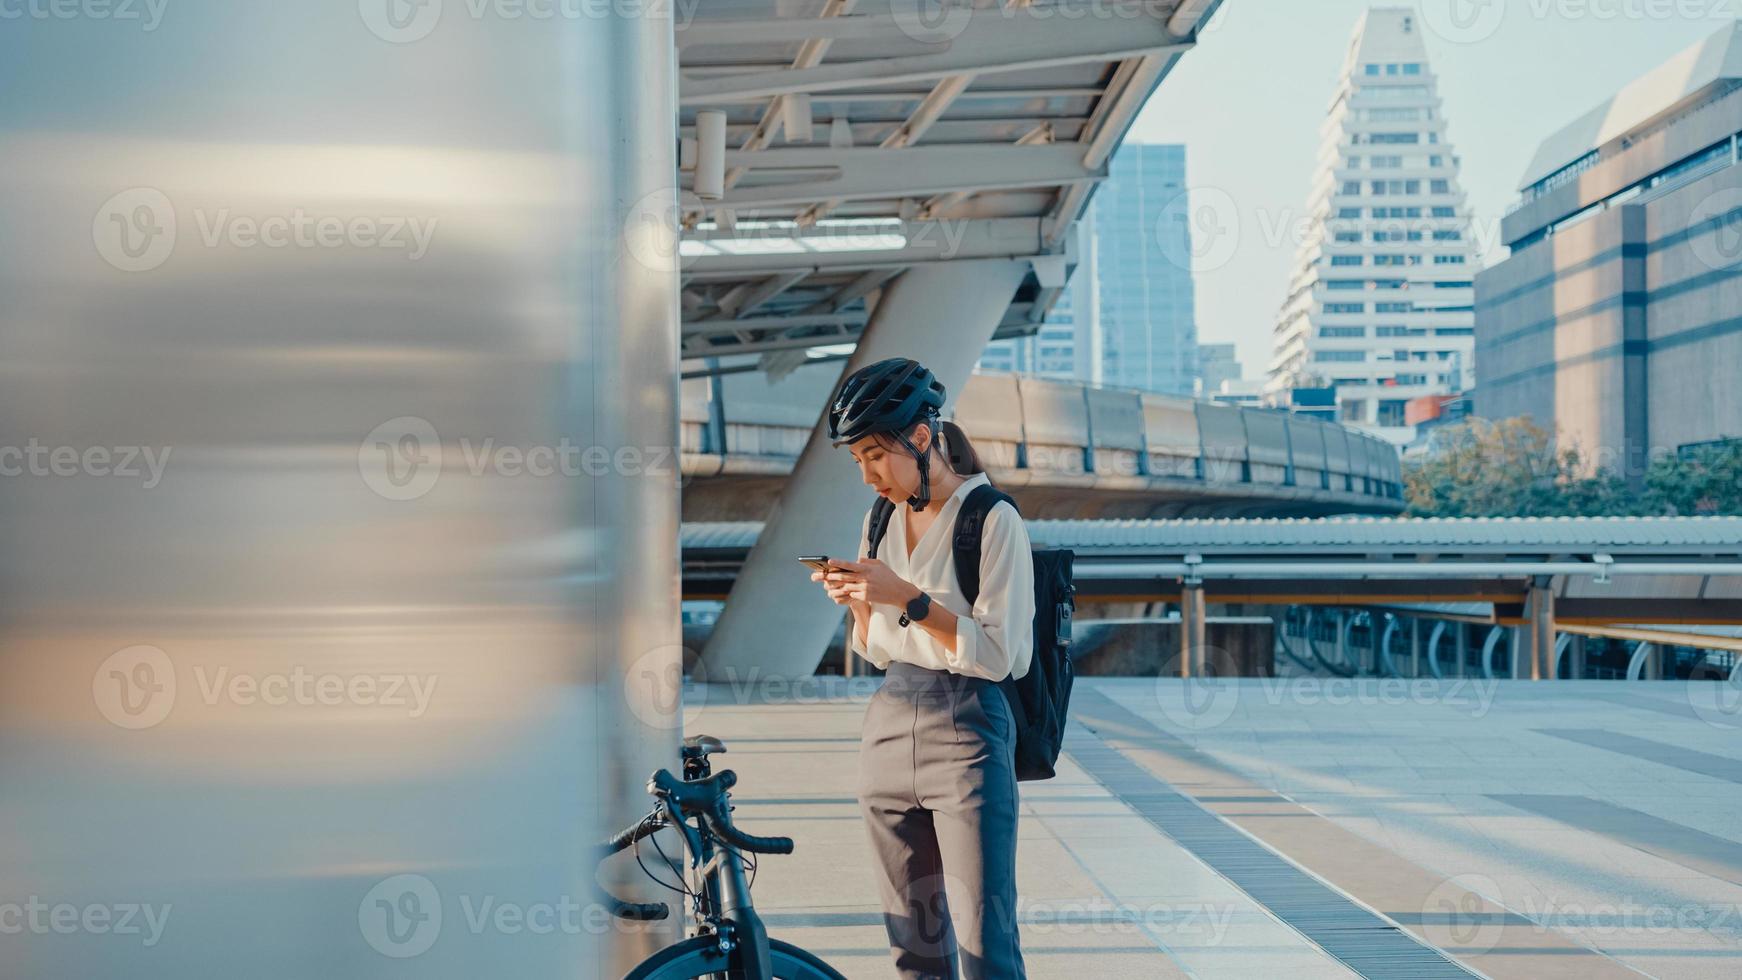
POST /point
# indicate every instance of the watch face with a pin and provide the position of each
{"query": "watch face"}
(918, 607)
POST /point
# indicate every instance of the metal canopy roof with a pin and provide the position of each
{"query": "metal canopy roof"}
(1690, 536)
(865, 136)
(1603, 570)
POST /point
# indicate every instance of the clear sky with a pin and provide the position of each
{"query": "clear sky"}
(1248, 101)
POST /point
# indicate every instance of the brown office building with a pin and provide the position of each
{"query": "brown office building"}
(1617, 320)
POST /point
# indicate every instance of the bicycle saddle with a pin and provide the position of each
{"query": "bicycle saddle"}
(701, 746)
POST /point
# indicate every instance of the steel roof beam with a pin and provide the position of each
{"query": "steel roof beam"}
(908, 172)
(990, 42)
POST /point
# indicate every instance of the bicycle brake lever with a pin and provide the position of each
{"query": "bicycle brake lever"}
(692, 837)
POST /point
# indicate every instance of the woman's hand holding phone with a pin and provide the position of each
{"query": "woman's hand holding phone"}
(834, 585)
(868, 581)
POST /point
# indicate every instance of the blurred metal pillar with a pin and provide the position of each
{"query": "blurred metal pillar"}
(343, 603)
(942, 315)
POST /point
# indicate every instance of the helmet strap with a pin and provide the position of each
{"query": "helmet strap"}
(922, 499)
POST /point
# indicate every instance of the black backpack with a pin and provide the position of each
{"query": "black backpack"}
(1039, 698)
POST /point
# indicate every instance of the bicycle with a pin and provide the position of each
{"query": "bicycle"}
(727, 938)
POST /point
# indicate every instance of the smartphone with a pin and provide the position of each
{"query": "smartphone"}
(821, 563)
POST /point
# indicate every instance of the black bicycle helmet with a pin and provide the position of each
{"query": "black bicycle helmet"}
(889, 396)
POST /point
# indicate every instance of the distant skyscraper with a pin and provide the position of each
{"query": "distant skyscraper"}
(1127, 318)
(1144, 260)
(1216, 363)
(1381, 301)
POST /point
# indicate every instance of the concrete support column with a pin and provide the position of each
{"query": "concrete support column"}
(776, 622)
(1193, 638)
(1540, 608)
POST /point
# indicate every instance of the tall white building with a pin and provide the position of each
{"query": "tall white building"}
(1381, 303)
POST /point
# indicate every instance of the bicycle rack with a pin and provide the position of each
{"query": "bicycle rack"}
(1286, 648)
(1313, 648)
(1433, 650)
(1560, 648)
(1636, 665)
(1387, 667)
(1488, 646)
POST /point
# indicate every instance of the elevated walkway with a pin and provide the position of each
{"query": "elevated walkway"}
(1063, 449)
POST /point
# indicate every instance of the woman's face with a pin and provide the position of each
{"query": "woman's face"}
(888, 468)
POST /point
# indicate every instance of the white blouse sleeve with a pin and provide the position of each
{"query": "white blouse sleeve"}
(999, 636)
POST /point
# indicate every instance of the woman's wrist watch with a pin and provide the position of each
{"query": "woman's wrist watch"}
(917, 609)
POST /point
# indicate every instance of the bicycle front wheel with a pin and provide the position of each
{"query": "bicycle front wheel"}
(700, 957)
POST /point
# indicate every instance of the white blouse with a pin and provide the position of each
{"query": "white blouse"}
(993, 639)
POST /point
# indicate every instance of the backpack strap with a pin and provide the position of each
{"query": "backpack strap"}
(881, 511)
(970, 526)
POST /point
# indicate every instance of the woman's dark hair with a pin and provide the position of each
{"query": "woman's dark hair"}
(954, 447)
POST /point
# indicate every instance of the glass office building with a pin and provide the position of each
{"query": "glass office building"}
(1127, 318)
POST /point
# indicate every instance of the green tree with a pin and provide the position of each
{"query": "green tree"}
(1702, 480)
(1514, 468)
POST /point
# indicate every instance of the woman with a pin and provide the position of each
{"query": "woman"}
(937, 780)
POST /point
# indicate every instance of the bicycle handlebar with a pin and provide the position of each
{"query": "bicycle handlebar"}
(747, 842)
(629, 835)
(638, 911)
(707, 799)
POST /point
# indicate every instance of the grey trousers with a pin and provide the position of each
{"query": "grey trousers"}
(937, 787)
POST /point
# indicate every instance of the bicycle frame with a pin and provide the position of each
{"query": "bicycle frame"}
(726, 902)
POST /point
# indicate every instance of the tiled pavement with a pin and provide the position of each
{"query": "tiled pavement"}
(1304, 828)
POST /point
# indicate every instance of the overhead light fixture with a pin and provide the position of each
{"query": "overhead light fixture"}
(711, 154)
(795, 117)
